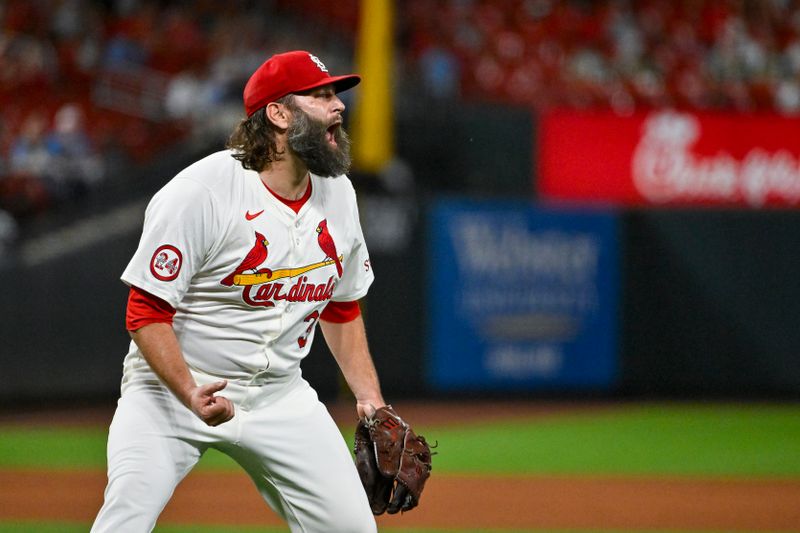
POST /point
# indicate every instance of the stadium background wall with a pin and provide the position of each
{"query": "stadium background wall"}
(708, 306)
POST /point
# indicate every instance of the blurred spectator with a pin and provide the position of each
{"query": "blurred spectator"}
(29, 153)
(133, 34)
(179, 43)
(188, 93)
(123, 52)
(68, 18)
(25, 62)
(75, 162)
(787, 97)
(440, 72)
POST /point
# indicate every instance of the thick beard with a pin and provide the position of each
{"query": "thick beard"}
(306, 138)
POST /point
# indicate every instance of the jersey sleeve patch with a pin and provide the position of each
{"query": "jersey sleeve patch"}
(165, 265)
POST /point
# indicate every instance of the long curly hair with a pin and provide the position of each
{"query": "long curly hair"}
(253, 140)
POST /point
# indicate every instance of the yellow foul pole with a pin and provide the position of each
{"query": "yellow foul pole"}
(373, 120)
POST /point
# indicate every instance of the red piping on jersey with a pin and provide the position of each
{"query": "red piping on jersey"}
(145, 308)
(294, 205)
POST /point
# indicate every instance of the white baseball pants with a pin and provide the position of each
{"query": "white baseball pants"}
(281, 435)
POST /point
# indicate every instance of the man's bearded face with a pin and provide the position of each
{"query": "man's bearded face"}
(310, 139)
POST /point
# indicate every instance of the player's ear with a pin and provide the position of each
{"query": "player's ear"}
(277, 114)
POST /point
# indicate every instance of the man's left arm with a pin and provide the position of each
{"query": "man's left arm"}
(392, 461)
(347, 342)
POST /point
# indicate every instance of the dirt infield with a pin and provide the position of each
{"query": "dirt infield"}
(454, 501)
(451, 501)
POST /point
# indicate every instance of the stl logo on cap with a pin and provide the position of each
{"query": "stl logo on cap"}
(318, 62)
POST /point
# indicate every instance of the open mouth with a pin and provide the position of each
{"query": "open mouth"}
(330, 133)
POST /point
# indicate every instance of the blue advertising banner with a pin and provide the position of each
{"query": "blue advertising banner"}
(521, 297)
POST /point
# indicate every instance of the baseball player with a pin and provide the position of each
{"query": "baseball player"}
(243, 254)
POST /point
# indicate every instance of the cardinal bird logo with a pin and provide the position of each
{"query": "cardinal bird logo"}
(328, 246)
(256, 256)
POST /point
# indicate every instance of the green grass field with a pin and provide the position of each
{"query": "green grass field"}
(738, 441)
(652, 440)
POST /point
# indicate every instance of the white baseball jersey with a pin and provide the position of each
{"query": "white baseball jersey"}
(248, 276)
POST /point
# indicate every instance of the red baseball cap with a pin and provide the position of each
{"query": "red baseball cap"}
(290, 72)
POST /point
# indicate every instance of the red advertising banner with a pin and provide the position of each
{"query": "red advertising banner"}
(670, 158)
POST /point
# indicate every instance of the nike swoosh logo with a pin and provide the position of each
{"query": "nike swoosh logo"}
(248, 216)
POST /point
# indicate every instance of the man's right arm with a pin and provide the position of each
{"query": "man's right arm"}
(161, 350)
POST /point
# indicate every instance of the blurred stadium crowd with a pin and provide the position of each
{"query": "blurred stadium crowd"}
(91, 89)
(741, 55)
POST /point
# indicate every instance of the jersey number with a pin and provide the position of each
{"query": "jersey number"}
(312, 319)
(163, 263)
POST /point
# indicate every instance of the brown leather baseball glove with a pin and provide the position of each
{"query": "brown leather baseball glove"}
(392, 461)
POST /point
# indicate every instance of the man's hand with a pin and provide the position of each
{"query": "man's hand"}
(367, 408)
(213, 410)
